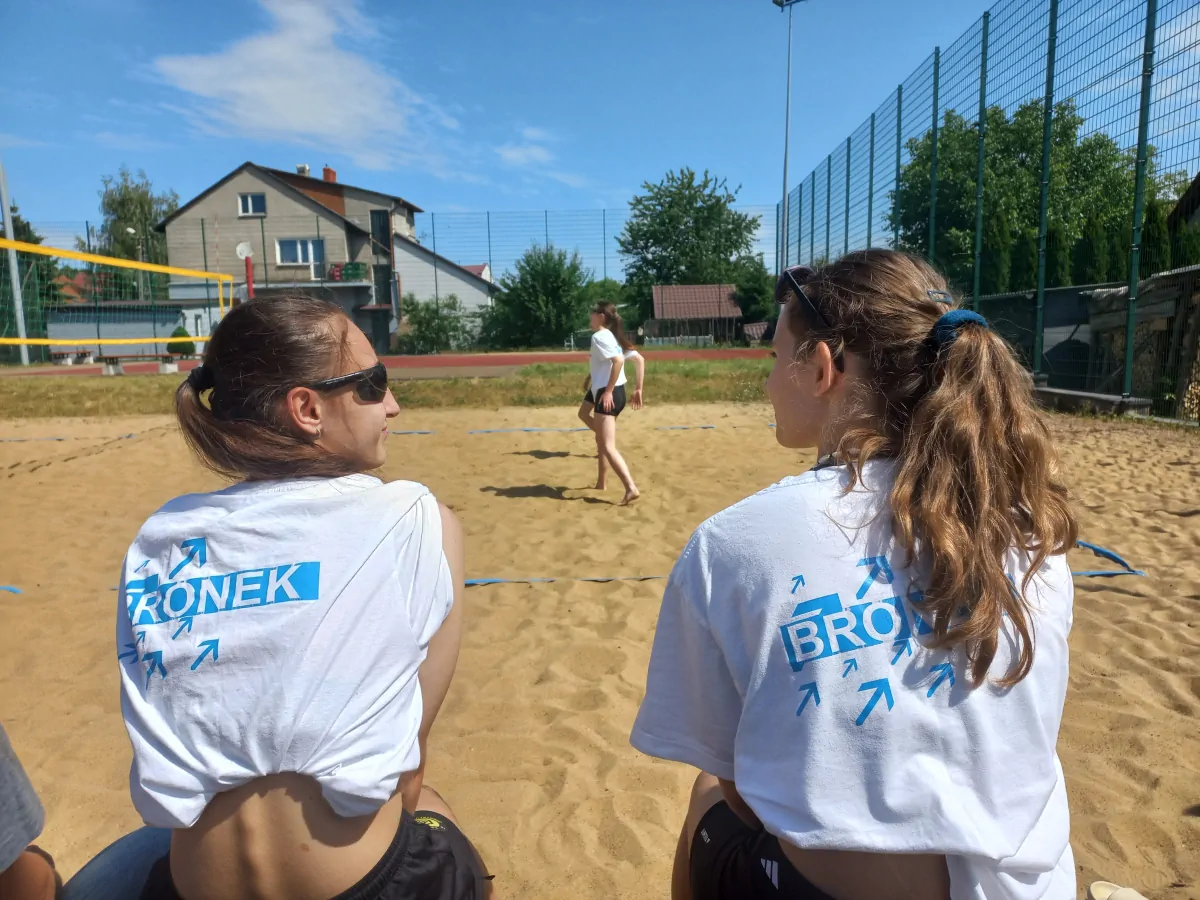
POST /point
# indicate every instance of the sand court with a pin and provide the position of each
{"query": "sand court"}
(531, 747)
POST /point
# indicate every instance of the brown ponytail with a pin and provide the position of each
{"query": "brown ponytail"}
(612, 321)
(260, 351)
(976, 476)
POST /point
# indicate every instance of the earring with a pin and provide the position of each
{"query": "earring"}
(320, 431)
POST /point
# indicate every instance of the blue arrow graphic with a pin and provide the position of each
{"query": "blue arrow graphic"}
(879, 566)
(882, 689)
(195, 549)
(155, 660)
(947, 671)
(901, 647)
(142, 566)
(207, 645)
(131, 652)
(141, 637)
(185, 622)
(810, 693)
(851, 665)
(797, 582)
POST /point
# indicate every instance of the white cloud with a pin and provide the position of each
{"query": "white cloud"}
(296, 83)
(14, 141)
(130, 142)
(575, 181)
(541, 135)
(524, 154)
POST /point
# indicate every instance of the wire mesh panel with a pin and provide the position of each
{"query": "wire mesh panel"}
(67, 305)
(1062, 271)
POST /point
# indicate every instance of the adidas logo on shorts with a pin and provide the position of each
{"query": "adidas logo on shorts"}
(771, 867)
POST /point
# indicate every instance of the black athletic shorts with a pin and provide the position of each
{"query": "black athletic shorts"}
(732, 861)
(429, 859)
(618, 401)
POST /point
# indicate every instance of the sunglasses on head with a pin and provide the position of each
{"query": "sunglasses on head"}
(370, 385)
(789, 283)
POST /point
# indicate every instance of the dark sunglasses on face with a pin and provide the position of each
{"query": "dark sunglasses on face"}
(371, 385)
(789, 283)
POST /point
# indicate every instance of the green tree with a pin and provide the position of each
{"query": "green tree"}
(184, 347)
(683, 230)
(605, 290)
(129, 202)
(1091, 178)
(1058, 257)
(996, 259)
(434, 325)
(1024, 262)
(1186, 246)
(755, 295)
(1118, 254)
(540, 303)
(39, 287)
(1156, 242)
(1090, 264)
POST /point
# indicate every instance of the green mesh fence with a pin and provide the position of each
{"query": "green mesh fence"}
(1057, 284)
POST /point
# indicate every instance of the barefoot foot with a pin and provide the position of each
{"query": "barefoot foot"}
(630, 497)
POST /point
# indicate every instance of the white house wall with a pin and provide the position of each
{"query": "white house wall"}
(286, 217)
(415, 270)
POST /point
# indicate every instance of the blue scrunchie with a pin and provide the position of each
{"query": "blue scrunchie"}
(946, 329)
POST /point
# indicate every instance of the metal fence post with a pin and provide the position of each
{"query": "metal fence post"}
(433, 228)
(317, 219)
(262, 230)
(603, 242)
(1044, 203)
(489, 234)
(812, 217)
(207, 282)
(899, 147)
(546, 214)
(800, 218)
(871, 183)
(933, 160)
(828, 199)
(846, 222)
(1139, 192)
(778, 237)
(87, 230)
(983, 51)
(14, 272)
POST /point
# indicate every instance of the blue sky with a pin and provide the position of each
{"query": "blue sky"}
(456, 106)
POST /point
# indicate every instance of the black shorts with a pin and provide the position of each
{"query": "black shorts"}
(429, 859)
(732, 861)
(618, 401)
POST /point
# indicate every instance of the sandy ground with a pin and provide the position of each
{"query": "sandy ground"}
(531, 747)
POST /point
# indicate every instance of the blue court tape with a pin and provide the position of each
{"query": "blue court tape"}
(10, 589)
(683, 427)
(481, 582)
(524, 430)
(412, 432)
(119, 437)
(1126, 568)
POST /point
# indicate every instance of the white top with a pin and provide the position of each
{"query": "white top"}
(604, 350)
(786, 660)
(278, 627)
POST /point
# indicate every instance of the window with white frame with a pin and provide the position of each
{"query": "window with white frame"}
(252, 204)
(300, 251)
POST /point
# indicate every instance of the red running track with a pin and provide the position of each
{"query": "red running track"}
(440, 361)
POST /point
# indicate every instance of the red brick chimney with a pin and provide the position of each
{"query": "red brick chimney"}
(329, 174)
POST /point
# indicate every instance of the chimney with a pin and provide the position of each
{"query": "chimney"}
(302, 169)
(330, 175)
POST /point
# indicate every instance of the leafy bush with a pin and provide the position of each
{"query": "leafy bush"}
(434, 325)
(181, 348)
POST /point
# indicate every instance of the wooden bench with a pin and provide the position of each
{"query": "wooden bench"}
(168, 363)
(71, 357)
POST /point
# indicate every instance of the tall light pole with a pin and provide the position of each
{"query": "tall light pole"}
(787, 130)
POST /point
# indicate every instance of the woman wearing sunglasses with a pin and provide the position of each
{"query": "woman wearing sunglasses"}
(868, 661)
(285, 643)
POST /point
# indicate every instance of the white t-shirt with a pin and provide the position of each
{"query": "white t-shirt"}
(604, 350)
(278, 627)
(788, 660)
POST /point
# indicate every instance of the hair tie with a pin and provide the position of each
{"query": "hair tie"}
(946, 329)
(201, 378)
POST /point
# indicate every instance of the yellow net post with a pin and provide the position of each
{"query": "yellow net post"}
(83, 305)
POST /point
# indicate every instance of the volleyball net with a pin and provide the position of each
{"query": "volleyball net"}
(59, 305)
